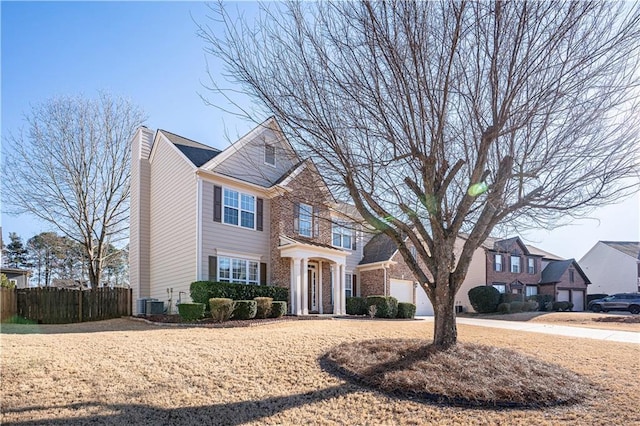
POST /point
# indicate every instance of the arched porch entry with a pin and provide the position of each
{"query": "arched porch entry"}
(307, 276)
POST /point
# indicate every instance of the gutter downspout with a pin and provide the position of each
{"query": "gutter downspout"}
(385, 278)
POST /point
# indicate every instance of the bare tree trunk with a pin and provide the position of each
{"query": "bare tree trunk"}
(445, 332)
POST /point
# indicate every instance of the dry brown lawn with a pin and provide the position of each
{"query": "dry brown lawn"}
(125, 372)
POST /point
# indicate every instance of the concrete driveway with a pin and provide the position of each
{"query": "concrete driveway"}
(558, 330)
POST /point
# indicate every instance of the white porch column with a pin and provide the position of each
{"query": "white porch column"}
(343, 299)
(295, 286)
(319, 286)
(335, 271)
(305, 286)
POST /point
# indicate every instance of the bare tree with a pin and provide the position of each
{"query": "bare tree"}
(437, 118)
(70, 168)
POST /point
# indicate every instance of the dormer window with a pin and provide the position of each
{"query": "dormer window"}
(270, 154)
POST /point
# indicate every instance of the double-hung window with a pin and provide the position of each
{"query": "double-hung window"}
(531, 265)
(305, 220)
(342, 236)
(531, 290)
(348, 285)
(497, 262)
(515, 264)
(238, 271)
(239, 209)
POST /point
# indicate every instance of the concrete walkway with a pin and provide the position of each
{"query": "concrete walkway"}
(558, 330)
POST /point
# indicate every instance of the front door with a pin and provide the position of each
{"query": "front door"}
(313, 289)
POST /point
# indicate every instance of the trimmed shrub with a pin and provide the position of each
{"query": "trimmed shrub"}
(386, 306)
(504, 308)
(221, 308)
(484, 299)
(357, 306)
(510, 297)
(278, 309)
(516, 306)
(543, 300)
(245, 309)
(591, 297)
(562, 306)
(406, 310)
(202, 291)
(264, 306)
(191, 311)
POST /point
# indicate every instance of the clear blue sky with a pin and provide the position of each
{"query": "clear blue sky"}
(149, 52)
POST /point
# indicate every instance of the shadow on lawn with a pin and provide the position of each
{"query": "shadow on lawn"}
(234, 413)
(117, 324)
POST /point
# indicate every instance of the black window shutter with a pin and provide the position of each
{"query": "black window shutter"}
(259, 214)
(354, 246)
(213, 268)
(354, 281)
(217, 203)
(296, 217)
(263, 273)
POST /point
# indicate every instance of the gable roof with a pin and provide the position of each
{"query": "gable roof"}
(195, 152)
(504, 245)
(269, 123)
(630, 248)
(379, 249)
(490, 242)
(553, 272)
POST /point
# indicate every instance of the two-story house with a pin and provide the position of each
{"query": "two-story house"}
(254, 213)
(613, 266)
(509, 265)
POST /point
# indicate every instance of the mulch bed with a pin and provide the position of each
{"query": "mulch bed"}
(464, 375)
(621, 319)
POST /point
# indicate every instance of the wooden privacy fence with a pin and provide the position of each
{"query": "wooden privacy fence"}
(50, 305)
(8, 303)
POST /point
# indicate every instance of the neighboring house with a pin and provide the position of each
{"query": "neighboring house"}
(256, 213)
(508, 265)
(613, 266)
(253, 213)
(18, 277)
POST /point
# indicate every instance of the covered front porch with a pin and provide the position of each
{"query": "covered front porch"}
(317, 277)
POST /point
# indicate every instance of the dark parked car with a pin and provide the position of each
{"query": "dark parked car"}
(617, 302)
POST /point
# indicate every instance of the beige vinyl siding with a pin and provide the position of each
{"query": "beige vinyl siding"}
(476, 274)
(609, 270)
(172, 222)
(229, 238)
(248, 164)
(139, 214)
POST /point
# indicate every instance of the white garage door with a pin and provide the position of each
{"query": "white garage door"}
(578, 300)
(423, 305)
(403, 291)
(563, 296)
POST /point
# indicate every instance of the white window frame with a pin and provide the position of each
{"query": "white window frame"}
(302, 207)
(530, 290)
(341, 231)
(348, 285)
(497, 261)
(531, 265)
(239, 270)
(502, 288)
(515, 270)
(240, 200)
(268, 146)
